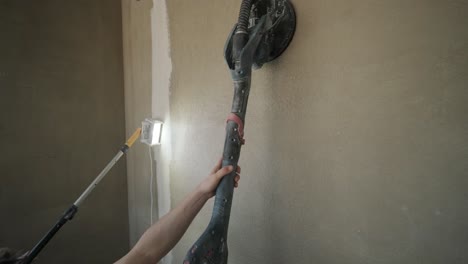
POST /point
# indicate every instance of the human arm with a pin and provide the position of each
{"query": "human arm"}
(160, 238)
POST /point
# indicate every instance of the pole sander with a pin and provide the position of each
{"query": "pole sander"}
(263, 32)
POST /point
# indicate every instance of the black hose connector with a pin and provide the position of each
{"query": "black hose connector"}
(241, 35)
(244, 15)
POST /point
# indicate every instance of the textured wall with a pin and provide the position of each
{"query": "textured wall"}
(61, 121)
(136, 19)
(147, 79)
(357, 138)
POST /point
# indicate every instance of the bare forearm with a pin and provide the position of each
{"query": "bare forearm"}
(159, 239)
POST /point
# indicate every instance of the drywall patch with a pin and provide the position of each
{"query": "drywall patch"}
(162, 70)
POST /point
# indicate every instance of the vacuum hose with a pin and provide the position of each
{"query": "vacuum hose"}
(241, 35)
(244, 14)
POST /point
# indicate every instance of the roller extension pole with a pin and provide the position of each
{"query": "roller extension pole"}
(248, 45)
(70, 212)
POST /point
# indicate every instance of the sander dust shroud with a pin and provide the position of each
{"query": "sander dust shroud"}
(264, 30)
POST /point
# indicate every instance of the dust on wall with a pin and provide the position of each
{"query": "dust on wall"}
(137, 48)
(147, 80)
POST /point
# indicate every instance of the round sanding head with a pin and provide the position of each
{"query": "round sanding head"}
(277, 38)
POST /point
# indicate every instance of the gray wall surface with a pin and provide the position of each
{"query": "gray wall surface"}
(61, 121)
(357, 137)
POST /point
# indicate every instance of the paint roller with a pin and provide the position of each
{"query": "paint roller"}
(150, 133)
